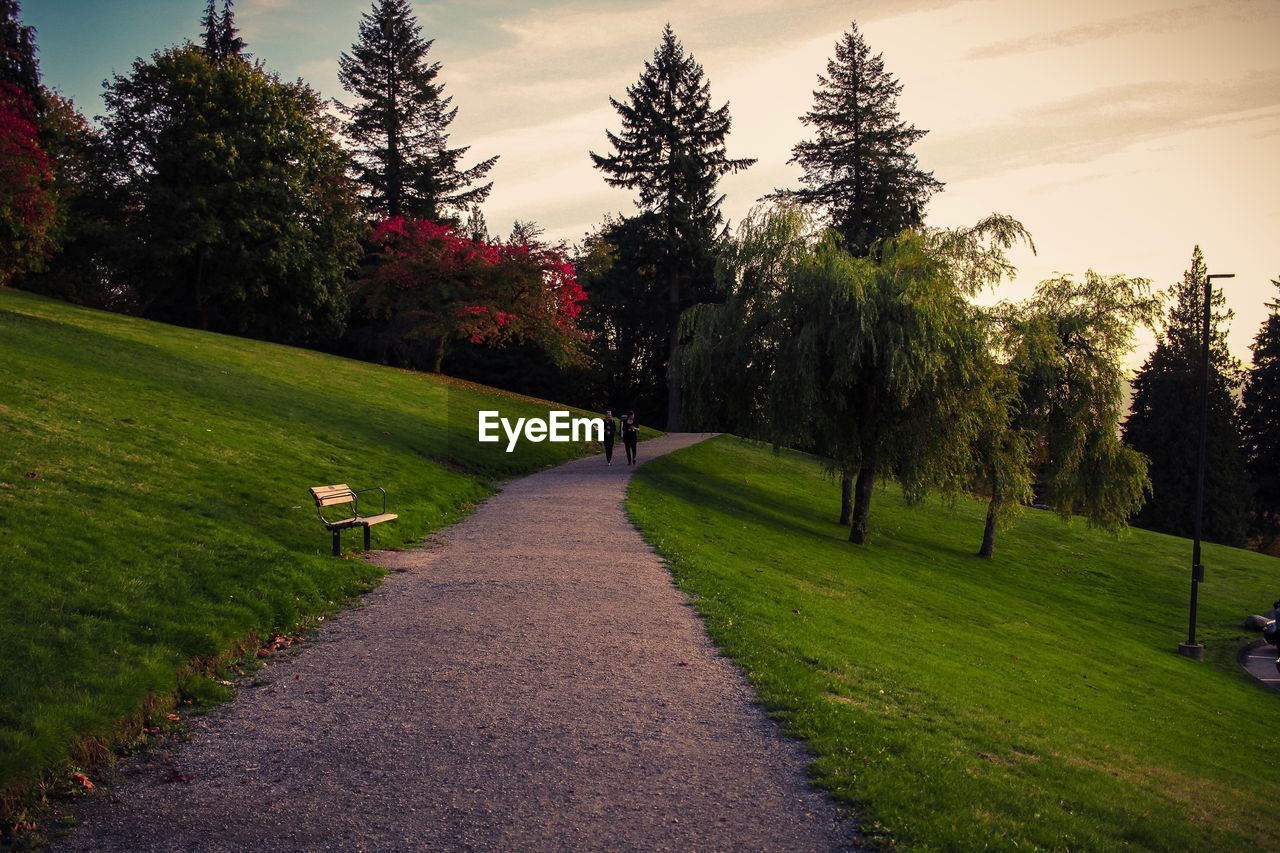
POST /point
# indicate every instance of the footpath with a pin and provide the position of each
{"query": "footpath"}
(530, 680)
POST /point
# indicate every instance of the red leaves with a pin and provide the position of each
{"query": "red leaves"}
(82, 780)
(26, 186)
(486, 293)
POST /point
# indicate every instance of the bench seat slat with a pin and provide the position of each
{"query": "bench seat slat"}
(363, 521)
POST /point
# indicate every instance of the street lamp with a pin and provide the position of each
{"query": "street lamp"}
(1191, 648)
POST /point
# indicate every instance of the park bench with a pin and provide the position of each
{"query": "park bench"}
(326, 496)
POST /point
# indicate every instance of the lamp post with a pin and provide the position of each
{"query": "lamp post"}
(1191, 648)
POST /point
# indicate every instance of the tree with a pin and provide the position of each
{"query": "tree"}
(27, 196)
(1164, 421)
(475, 225)
(1057, 400)
(878, 364)
(1260, 421)
(86, 226)
(436, 286)
(400, 123)
(628, 321)
(221, 38)
(858, 167)
(672, 149)
(238, 215)
(19, 66)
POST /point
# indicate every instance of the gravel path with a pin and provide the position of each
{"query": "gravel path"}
(533, 680)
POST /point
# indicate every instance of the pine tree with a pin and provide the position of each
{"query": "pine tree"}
(401, 121)
(672, 149)
(1260, 417)
(858, 167)
(18, 64)
(219, 33)
(1164, 421)
(211, 26)
(229, 41)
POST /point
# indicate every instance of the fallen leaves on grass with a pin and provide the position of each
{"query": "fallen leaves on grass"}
(82, 780)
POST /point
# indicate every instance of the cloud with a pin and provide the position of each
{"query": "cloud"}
(1084, 127)
(1143, 23)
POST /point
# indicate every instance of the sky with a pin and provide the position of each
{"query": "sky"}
(1121, 134)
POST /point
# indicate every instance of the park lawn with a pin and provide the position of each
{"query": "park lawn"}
(154, 508)
(1034, 700)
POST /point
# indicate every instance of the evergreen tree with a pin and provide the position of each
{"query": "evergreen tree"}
(219, 34)
(475, 225)
(858, 168)
(211, 27)
(1164, 421)
(400, 124)
(672, 149)
(18, 64)
(229, 41)
(628, 320)
(1260, 417)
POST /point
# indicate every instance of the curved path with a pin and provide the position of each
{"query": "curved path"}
(533, 680)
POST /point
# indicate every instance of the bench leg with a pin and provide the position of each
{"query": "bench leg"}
(337, 543)
(366, 537)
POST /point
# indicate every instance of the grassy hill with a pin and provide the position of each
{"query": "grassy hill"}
(154, 508)
(1034, 700)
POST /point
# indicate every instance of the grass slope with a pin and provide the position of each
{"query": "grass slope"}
(1032, 700)
(154, 507)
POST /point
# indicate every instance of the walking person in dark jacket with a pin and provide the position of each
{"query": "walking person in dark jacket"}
(610, 430)
(630, 435)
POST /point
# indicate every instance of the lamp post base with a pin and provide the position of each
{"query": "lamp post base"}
(1195, 651)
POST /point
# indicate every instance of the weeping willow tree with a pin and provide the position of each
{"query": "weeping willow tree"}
(881, 364)
(1054, 430)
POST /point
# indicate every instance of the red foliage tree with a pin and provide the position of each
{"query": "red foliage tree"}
(454, 288)
(27, 209)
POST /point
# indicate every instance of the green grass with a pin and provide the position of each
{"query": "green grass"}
(154, 508)
(1034, 700)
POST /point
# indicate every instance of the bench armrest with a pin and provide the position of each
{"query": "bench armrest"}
(355, 504)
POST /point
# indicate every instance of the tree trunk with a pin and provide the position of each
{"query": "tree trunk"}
(989, 534)
(862, 504)
(437, 359)
(993, 510)
(846, 498)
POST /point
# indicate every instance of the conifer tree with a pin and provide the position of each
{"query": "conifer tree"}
(1164, 420)
(18, 64)
(229, 41)
(672, 149)
(400, 121)
(219, 33)
(1260, 417)
(211, 28)
(858, 167)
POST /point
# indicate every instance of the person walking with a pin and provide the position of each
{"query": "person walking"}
(610, 430)
(630, 435)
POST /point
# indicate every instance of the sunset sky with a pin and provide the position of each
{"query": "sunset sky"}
(1120, 133)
